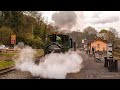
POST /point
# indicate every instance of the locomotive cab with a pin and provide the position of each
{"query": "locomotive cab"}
(57, 43)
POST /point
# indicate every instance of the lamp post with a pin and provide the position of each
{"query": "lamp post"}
(83, 43)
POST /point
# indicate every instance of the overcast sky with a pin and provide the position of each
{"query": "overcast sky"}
(96, 19)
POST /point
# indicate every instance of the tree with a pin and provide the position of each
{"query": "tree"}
(90, 30)
(103, 34)
(77, 37)
(107, 35)
(5, 35)
(103, 31)
(5, 18)
(89, 33)
(29, 26)
(35, 14)
(114, 31)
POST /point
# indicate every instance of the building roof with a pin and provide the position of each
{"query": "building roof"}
(98, 39)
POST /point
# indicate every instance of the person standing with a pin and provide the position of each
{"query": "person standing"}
(88, 50)
(93, 51)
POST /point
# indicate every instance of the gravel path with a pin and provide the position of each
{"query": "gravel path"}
(16, 75)
(93, 70)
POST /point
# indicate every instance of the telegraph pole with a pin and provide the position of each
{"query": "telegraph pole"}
(32, 31)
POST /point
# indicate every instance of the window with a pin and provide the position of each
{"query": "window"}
(98, 45)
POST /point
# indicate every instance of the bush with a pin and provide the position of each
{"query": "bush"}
(117, 47)
(34, 43)
(5, 35)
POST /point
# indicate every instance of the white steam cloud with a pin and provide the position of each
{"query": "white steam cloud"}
(64, 19)
(54, 65)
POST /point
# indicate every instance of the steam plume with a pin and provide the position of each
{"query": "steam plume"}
(54, 66)
(64, 19)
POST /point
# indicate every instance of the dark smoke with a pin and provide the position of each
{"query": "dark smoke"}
(64, 19)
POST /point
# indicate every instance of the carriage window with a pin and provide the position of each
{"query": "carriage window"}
(65, 39)
(71, 43)
(48, 39)
(59, 39)
(52, 38)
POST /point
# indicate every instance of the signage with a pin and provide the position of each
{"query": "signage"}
(13, 39)
(82, 40)
(109, 50)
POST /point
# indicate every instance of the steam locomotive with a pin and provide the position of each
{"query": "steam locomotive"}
(58, 43)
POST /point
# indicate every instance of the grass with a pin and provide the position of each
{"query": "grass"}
(6, 58)
(7, 54)
(40, 52)
(116, 54)
(6, 64)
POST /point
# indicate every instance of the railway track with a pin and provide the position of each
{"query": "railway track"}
(12, 68)
(7, 70)
(37, 77)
